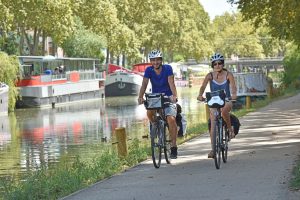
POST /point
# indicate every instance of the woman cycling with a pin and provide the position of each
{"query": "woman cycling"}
(219, 79)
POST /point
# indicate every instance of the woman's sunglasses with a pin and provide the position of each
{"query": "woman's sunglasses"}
(217, 63)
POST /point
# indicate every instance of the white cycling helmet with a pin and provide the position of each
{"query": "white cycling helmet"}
(216, 57)
(155, 54)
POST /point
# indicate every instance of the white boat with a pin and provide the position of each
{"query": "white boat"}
(47, 81)
(3, 99)
(122, 83)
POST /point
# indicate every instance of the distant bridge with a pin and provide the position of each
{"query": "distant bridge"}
(252, 62)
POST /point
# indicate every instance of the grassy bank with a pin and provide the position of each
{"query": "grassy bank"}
(73, 174)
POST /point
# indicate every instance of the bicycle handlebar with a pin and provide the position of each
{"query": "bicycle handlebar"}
(227, 99)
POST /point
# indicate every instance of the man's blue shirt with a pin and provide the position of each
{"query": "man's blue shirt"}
(160, 82)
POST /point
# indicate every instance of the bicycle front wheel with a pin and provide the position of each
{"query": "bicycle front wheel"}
(225, 144)
(217, 145)
(167, 144)
(156, 146)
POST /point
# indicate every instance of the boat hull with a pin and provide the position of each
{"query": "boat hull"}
(122, 83)
(122, 89)
(51, 95)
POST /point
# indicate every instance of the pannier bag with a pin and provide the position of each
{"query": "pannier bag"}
(235, 123)
(216, 99)
(154, 101)
(181, 121)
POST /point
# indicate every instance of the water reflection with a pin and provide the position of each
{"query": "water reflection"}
(35, 137)
(5, 136)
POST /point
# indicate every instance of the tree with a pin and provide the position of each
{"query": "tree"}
(272, 46)
(282, 16)
(291, 65)
(9, 69)
(105, 22)
(232, 36)
(84, 43)
(34, 19)
(192, 37)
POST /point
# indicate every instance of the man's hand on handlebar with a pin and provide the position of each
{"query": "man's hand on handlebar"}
(200, 98)
(174, 99)
(140, 100)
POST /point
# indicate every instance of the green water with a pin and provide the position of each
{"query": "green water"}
(30, 138)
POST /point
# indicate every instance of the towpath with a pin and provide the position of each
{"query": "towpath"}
(259, 165)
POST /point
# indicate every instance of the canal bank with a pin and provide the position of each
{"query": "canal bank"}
(259, 166)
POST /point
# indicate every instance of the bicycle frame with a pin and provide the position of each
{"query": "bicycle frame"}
(220, 133)
(159, 138)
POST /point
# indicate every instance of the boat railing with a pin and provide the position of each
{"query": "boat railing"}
(83, 75)
(46, 78)
(86, 75)
(59, 77)
(99, 75)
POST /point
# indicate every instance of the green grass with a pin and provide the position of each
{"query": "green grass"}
(295, 181)
(71, 174)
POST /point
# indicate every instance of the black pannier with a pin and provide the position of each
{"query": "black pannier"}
(235, 122)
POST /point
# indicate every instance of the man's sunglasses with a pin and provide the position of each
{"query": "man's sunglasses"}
(217, 63)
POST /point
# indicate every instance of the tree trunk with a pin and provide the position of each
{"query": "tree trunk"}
(36, 41)
(43, 44)
(21, 44)
(53, 48)
(107, 56)
(111, 60)
(123, 59)
(118, 60)
(28, 42)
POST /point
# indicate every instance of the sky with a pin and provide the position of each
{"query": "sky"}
(217, 7)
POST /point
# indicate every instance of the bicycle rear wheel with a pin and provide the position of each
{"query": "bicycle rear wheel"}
(217, 145)
(156, 146)
(225, 144)
(167, 144)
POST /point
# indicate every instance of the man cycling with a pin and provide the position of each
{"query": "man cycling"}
(162, 79)
(219, 79)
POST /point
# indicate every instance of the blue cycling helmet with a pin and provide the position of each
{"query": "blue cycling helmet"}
(155, 54)
(216, 57)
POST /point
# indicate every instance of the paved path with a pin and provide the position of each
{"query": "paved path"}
(260, 162)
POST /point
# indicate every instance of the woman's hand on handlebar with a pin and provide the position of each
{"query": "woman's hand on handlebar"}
(233, 98)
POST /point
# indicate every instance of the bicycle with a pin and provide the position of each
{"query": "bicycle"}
(220, 140)
(160, 138)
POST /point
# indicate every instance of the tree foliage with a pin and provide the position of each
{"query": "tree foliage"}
(9, 68)
(193, 34)
(131, 27)
(236, 37)
(282, 16)
(292, 65)
(34, 19)
(84, 43)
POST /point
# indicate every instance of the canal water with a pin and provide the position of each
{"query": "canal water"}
(30, 138)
